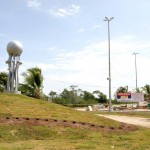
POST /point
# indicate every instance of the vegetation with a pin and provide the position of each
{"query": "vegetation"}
(146, 90)
(143, 114)
(33, 83)
(23, 106)
(22, 137)
(122, 89)
(3, 81)
(33, 87)
(38, 137)
(77, 97)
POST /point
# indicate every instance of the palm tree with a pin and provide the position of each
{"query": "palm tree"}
(33, 83)
(146, 90)
(138, 90)
(3, 81)
(122, 89)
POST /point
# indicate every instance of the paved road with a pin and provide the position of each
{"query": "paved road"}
(144, 122)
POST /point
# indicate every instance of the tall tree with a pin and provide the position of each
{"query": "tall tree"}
(100, 97)
(122, 89)
(3, 81)
(52, 94)
(146, 90)
(88, 96)
(33, 83)
(138, 90)
(71, 95)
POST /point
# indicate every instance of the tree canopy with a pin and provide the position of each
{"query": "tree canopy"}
(33, 83)
(76, 97)
(146, 91)
(122, 89)
(3, 81)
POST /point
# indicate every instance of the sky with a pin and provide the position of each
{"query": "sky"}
(68, 40)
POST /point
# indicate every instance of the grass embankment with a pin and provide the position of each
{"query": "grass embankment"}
(23, 106)
(21, 136)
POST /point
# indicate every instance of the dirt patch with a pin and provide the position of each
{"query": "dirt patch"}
(64, 123)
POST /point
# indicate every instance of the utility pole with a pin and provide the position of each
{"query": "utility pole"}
(109, 62)
(135, 69)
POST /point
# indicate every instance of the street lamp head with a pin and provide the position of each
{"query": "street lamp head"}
(134, 53)
(111, 18)
(106, 19)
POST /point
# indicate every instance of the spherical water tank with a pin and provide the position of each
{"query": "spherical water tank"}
(14, 48)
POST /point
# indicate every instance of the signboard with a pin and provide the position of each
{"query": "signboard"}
(124, 97)
(130, 97)
(137, 97)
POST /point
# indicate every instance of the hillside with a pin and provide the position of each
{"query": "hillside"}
(23, 106)
(28, 123)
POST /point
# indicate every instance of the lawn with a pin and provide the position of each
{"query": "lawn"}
(41, 137)
(143, 114)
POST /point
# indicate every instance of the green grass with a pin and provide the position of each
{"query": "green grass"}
(144, 114)
(23, 106)
(27, 137)
(40, 137)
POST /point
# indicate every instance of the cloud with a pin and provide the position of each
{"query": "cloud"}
(89, 66)
(34, 4)
(81, 30)
(55, 11)
(96, 25)
(62, 12)
(2, 35)
(81, 67)
(53, 48)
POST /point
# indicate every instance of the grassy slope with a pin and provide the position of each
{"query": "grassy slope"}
(20, 137)
(22, 106)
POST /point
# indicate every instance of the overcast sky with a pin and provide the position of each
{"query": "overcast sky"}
(68, 40)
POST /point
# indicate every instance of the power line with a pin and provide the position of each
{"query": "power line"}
(124, 75)
(79, 84)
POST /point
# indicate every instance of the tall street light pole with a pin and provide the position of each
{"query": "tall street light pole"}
(135, 69)
(109, 63)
